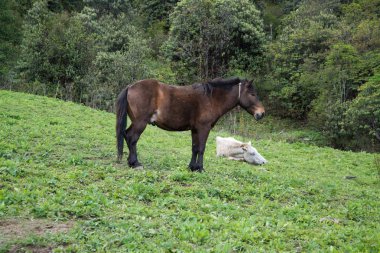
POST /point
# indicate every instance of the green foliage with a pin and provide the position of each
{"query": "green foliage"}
(64, 169)
(113, 33)
(109, 7)
(323, 53)
(272, 13)
(65, 5)
(367, 35)
(112, 71)
(83, 57)
(338, 80)
(336, 110)
(10, 37)
(363, 115)
(208, 38)
(296, 55)
(155, 10)
(352, 124)
(57, 51)
(120, 60)
(356, 11)
(161, 70)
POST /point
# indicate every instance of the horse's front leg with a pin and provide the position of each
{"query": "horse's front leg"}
(202, 139)
(194, 150)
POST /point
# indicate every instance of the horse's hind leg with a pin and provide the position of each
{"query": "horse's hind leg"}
(132, 135)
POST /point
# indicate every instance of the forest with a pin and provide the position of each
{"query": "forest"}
(313, 62)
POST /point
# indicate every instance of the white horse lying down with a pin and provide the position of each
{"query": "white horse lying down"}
(237, 150)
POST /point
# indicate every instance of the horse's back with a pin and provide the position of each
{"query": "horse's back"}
(167, 106)
(145, 86)
(148, 93)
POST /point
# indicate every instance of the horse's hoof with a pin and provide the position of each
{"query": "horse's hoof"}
(191, 167)
(136, 166)
(196, 168)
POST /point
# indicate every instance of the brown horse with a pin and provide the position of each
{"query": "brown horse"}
(179, 108)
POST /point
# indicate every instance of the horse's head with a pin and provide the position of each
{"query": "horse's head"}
(249, 100)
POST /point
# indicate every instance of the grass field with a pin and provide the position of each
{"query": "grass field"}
(61, 190)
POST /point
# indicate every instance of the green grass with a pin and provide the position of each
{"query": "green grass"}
(283, 130)
(57, 163)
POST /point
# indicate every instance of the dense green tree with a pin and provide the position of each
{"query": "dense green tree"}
(360, 25)
(112, 32)
(295, 58)
(56, 51)
(355, 124)
(10, 37)
(342, 66)
(338, 83)
(155, 10)
(86, 56)
(363, 115)
(154, 18)
(65, 5)
(121, 57)
(324, 51)
(113, 7)
(210, 38)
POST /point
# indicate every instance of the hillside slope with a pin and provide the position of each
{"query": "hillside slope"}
(57, 165)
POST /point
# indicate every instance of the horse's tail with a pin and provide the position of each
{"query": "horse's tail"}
(121, 121)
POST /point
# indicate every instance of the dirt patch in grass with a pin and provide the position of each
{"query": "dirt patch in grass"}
(13, 229)
(34, 249)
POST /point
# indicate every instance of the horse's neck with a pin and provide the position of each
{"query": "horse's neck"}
(226, 100)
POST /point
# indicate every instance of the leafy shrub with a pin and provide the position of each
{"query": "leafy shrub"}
(112, 71)
(355, 124)
(84, 57)
(363, 115)
(295, 58)
(207, 38)
(56, 51)
(10, 37)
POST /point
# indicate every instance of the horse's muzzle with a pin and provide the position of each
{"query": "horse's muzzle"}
(259, 116)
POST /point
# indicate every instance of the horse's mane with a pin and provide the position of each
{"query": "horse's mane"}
(217, 83)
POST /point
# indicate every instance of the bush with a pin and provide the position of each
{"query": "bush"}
(363, 115)
(81, 57)
(355, 124)
(56, 51)
(10, 38)
(122, 56)
(210, 37)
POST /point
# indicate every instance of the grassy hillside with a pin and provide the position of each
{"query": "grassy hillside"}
(60, 189)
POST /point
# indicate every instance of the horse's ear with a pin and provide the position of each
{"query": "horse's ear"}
(247, 82)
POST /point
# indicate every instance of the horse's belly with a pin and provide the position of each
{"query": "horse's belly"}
(170, 121)
(169, 127)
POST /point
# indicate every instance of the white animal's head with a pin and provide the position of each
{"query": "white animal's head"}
(251, 155)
